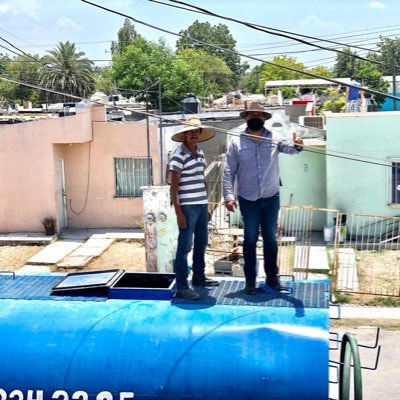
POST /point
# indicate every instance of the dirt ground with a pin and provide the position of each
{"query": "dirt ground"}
(13, 258)
(127, 255)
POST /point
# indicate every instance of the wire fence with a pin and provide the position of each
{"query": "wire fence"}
(367, 255)
(359, 253)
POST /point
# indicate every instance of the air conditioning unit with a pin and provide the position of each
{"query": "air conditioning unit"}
(313, 121)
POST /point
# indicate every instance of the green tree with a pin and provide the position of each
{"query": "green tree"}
(218, 36)
(181, 80)
(336, 102)
(141, 63)
(321, 70)
(6, 88)
(346, 65)
(126, 36)
(251, 81)
(390, 55)
(67, 70)
(274, 72)
(270, 72)
(104, 81)
(25, 69)
(371, 78)
(214, 72)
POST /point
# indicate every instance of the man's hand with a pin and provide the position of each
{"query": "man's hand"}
(298, 142)
(180, 217)
(231, 205)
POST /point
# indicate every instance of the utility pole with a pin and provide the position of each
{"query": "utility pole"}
(148, 134)
(394, 85)
(160, 134)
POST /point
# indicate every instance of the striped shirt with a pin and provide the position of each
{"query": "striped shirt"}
(192, 186)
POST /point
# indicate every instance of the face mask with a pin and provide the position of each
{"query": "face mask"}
(255, 124)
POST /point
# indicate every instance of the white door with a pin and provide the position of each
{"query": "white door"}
(60, 195)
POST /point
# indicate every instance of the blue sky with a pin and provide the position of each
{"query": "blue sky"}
(38, 25)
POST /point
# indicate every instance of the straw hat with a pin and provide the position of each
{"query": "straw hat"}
(191, 123)
(254, 106)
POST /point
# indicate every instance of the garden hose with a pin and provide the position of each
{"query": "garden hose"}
(349, 351)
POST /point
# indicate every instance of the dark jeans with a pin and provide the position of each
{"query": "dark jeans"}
(264, 213)
(197, 226)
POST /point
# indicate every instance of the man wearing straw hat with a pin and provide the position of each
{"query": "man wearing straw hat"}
(189, 197)
(252, 161)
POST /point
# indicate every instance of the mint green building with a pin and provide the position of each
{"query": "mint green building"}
(354, 171)
(363, 150)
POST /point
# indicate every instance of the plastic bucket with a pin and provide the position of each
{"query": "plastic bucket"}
(329, 233)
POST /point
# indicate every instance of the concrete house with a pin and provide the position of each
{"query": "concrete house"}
(356, 170)
(80, 169)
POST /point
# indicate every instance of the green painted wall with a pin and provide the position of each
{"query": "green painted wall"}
(359, 187)
(304, 179)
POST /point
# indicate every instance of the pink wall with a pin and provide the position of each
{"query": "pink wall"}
(28, 157)
(101, 209)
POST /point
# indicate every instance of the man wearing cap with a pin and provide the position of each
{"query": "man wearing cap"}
(252, 161)
(189, 197)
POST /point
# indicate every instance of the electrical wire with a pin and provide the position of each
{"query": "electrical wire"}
(274, 31)
(368, 90)
(312, 149)
(282, 43)
(39, 61)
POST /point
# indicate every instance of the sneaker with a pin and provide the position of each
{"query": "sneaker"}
(203, 281)
(250, 288)
(188, 294)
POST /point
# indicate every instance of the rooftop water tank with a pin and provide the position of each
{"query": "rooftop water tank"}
(191, 104)
(100, 97)
(225, 346)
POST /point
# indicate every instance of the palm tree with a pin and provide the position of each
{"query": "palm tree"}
(66, 70)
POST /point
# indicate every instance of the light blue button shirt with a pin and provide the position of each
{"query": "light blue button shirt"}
(255, 165)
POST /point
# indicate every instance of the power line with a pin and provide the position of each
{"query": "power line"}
(273, 31)
(278, 44)
(312, 149)
(368, 90)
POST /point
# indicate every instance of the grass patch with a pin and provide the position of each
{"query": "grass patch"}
(387, 324)
(384, 302)
(342, 298)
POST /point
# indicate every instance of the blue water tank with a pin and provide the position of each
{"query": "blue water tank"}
(109, 349)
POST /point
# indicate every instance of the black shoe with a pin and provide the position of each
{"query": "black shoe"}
(250, 288)
(274, 284)
(187, 294)
(203, 281)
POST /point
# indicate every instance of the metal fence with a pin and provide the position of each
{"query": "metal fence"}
(366, 257)
(303, 232)
(359, 253)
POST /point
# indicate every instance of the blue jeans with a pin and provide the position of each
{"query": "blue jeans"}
(264, 213)
(197, 226)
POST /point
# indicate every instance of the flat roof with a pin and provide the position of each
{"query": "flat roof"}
(316, 82)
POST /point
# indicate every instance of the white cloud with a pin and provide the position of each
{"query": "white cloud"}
(376, 4)
(312, 21)
(5, 8)
(19, 7)
(68, 23)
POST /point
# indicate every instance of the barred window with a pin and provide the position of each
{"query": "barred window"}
(395, 182)
(130, 175)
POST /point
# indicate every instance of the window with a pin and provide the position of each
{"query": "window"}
(130, 175)
(395, 182)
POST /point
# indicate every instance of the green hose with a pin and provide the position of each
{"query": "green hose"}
(349, 351)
